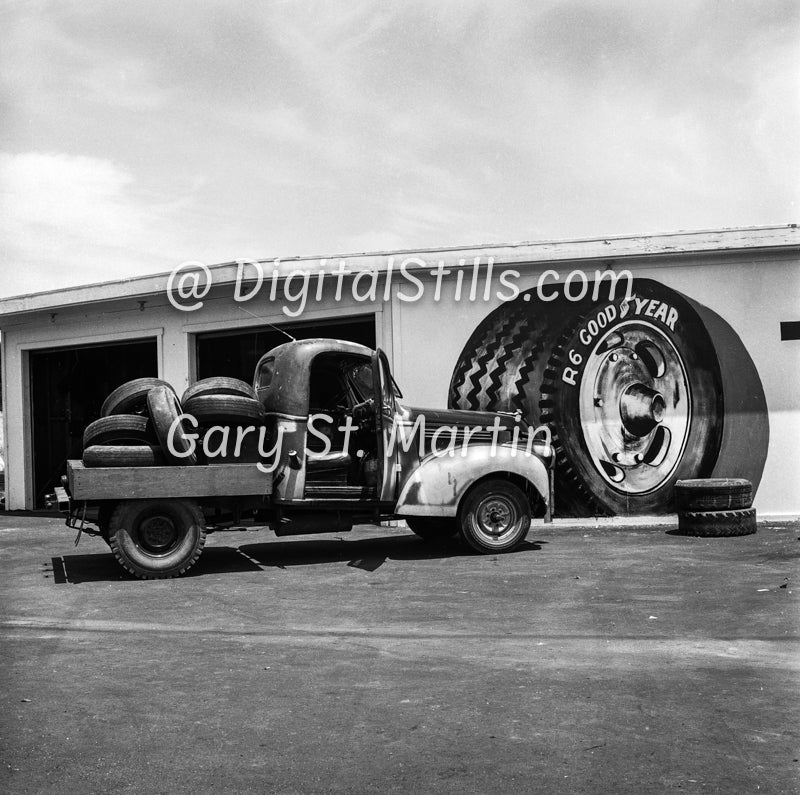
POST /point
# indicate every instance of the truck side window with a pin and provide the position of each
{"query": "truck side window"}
(265, 373)
(361, 380)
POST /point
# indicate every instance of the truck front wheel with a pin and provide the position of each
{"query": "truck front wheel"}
(155, 539)
(495, 516)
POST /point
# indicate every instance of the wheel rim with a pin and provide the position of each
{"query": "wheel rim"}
(495, 518)
(158, 535)
(635, 407)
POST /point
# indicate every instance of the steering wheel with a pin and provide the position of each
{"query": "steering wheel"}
(364, 413)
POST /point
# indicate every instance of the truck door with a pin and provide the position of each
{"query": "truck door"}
(385, 417)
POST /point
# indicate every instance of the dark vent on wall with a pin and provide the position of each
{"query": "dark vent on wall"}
(790, 330)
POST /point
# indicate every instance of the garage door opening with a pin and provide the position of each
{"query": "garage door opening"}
(235, 353)
(68, 387)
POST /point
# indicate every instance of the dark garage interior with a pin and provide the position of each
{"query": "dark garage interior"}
(68, 387)
(235, 353)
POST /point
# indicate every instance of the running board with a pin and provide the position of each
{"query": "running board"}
(340, 492)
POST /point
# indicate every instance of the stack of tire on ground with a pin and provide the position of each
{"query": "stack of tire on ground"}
(156, 538)
(638, 391)
(715, 507)
(136, 418)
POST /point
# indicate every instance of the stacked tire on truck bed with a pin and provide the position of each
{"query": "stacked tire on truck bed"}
(139, 426)
(136, 419)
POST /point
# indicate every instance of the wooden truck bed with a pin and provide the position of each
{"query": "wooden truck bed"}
(213, 480)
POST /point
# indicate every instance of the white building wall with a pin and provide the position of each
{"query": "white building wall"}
(753, 293)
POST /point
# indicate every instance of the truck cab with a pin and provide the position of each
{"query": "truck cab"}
(345, 440)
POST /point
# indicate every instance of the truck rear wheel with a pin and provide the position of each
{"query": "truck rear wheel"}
(495, 516)
(156, 539)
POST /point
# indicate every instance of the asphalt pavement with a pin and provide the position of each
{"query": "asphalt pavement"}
(593, 660)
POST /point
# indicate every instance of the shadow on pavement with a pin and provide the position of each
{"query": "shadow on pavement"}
(75, 569)
(86, 568)
(367, 554)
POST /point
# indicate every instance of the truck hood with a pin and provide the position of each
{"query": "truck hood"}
(436, 418)
(430, 420)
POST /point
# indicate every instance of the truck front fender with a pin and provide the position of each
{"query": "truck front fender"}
(439, 483)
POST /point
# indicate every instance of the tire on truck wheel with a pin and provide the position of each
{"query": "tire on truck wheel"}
(156, 539)
(494, 516)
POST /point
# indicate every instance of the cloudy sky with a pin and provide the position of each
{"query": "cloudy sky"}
(134, 136)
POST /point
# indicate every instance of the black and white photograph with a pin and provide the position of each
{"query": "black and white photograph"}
(400, 397)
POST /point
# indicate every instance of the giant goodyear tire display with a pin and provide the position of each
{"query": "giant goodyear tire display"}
(637, 393)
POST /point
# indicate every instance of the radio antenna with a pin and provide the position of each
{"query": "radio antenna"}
(271, 325)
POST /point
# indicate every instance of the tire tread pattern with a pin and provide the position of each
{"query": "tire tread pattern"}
(130, 397)
(473, 377)
(713, 494)
(118, 428)
(495, 367)
(567, 481)
(224, 409)
(123, 456)
(164, 409)
(219, 385)
(718, 524)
